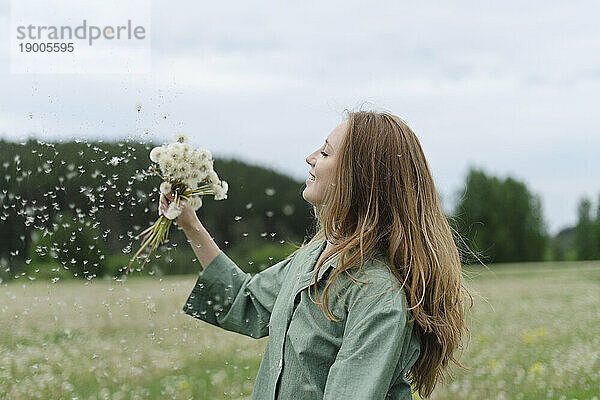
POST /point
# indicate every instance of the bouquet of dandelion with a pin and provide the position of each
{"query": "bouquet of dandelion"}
(189, 174)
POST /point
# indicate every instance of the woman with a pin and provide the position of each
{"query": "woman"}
(382, 244)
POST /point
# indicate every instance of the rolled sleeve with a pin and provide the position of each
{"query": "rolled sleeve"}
(227, 297)
(371, 349)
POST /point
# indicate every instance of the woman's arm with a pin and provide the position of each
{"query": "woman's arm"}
(203, 245)
(227, 297)
(224, 295)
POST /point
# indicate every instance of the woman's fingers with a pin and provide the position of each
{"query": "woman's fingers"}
(160, 205)
(163, 203)
(165, 199)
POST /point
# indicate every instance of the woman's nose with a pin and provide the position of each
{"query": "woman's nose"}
(308, 160)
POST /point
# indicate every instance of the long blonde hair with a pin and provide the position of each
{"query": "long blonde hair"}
(384, 201)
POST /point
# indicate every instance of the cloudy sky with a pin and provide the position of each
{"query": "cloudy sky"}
(511, 87)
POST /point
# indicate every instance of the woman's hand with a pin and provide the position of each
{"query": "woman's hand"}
(186, 219)
(202, 243)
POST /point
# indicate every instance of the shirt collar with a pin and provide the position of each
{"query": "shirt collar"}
(317, 250)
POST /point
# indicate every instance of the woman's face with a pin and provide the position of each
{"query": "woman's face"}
(322, 162)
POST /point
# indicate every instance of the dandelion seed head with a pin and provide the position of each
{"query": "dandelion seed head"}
(195, 202)
(173, 211)
(221, 190)
(165, 188)
(213, 178)
(156, 154)
(180, 137)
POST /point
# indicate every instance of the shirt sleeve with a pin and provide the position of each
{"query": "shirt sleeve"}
(227, 297)
(371, 348)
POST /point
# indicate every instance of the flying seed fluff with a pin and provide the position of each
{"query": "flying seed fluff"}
(384, 200)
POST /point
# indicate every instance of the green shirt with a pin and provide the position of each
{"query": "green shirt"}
(363, 356)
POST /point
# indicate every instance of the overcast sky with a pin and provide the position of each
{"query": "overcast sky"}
(511, 87)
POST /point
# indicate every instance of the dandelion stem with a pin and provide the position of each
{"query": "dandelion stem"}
(156, 172)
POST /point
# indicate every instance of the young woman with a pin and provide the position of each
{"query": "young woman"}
(383, 245)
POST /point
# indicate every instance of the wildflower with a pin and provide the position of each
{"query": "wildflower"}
(531, 336)
(183, 385)
(536, 369)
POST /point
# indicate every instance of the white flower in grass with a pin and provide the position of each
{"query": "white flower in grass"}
(173, 211)
(165, 188)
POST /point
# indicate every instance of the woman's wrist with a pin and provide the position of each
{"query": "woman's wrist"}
(203, 245)
(195, 225)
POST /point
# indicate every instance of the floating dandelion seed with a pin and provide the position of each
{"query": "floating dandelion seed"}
(288, 209)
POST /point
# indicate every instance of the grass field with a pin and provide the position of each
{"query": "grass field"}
(535, 335)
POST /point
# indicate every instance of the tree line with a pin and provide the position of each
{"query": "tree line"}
(74, 209)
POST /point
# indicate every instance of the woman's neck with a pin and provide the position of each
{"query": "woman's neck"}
(328, 247)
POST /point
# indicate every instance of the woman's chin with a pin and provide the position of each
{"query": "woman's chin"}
(305, 197)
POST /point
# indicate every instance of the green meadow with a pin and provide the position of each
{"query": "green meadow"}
(535, 334)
